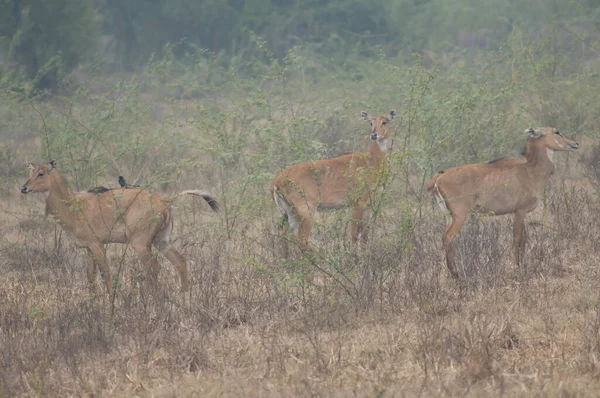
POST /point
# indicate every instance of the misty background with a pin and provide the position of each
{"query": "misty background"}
(42, 41)
(100, 83)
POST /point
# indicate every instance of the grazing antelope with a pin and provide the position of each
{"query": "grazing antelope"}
(346, 180)
(502, 187)
(131, 216)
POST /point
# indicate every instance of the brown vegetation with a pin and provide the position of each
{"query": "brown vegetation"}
(248, 328)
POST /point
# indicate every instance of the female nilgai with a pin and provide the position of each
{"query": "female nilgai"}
(132, 216)
(347, 180)
(503, 187)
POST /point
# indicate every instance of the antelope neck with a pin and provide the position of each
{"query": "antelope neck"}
(539, 164)
(59, 197)
(378, 149)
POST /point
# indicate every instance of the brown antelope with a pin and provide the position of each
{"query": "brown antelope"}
(346, 180)
(132, 216)
(502, 187)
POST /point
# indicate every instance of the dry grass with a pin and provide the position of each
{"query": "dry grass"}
(391, 323)
(384, 321)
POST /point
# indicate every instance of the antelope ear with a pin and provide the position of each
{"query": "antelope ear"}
(31, 166)
(364, 115)
(533, 133)
(51, 165)
(392, 114)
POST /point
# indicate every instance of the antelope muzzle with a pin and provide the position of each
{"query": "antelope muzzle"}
(573, 146)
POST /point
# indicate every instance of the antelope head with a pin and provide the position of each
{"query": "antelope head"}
(380, 130)
(39, 180)
(552, 139)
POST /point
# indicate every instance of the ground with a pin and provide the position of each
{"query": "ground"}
(254, 324)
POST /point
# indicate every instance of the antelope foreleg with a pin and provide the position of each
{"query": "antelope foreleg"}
(91, 271)
(519, 237)
(99, 258)
(358, 224)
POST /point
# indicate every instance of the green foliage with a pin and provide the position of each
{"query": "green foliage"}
(44, 40)
(33, 33)
(333, 29)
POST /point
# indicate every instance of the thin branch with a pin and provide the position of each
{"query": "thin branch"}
(30, 102)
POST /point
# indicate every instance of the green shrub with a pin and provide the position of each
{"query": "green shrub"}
(44, 40)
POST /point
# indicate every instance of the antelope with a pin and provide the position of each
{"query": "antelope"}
(497, 188)
(131, 216)
(347, 180)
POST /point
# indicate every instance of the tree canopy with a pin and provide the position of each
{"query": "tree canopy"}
(41, 40)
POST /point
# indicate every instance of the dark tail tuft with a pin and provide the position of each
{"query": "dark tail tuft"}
(212, 202)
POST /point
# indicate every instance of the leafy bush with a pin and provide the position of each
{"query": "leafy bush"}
(45, 39)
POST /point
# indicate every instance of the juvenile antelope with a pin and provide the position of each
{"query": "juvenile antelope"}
(347, 180)
(497, 188)
(131, 216)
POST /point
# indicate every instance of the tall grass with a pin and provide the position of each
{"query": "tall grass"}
(375, 320)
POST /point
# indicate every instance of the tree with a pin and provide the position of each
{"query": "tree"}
(47, 39)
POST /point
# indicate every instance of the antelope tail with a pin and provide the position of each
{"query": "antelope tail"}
(212, 202)
(431, 183)
(282, 205)
(277, 198)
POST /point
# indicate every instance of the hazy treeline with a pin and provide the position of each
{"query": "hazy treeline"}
(42, 40)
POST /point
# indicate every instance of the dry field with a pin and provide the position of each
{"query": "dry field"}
(384, 321)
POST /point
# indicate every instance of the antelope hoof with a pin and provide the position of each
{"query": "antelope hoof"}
(454, 274)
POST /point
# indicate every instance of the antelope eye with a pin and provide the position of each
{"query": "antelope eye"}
(383, 123)
(557, 132)
(40, 174)
(371, 123)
